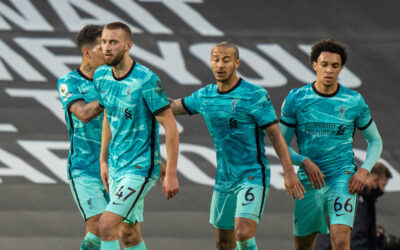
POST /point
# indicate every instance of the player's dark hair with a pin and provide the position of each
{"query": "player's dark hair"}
(88, 36)
(329, 45)
(120, 25)
(228, 45)
(381, 170)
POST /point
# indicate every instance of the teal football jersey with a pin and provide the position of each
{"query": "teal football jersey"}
(236, 120)
(131, 103)
(325, 125)
(85, 138)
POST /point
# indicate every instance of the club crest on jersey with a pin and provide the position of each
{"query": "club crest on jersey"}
(63, 89)
(234, 103)
(342, 110)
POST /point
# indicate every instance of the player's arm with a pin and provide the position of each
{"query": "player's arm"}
(170, 183)
(292, 183)
(163, 170)
(177, 107)
(105, 142)
(86, 111)
(374, 150)
(313, 172)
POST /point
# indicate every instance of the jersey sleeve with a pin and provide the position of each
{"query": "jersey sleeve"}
(262, 110)
(68, 92)
(288, 111)
(96, 83)
(364, 115)
(190, 103)
(154, 95)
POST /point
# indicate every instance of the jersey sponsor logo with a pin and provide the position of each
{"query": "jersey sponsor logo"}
(324, 129)
(128, 114)
(223, 123)
(232, 123)
(119, 112)
(341, 130)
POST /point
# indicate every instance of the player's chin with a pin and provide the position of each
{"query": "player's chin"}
(220, 78)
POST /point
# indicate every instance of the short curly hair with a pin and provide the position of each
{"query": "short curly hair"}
(88, 35)
(328, 45)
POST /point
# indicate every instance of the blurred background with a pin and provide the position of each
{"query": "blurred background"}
(174, 38)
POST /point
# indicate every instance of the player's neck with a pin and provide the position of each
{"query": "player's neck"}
(224, 86)
(326, 89)
(122, 68)
(87, 69)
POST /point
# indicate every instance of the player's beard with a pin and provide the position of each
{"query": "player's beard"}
(117, 59)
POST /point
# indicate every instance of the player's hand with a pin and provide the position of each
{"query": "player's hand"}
(163, 170)
(357, 181)
(314, 174)
(104, 174)
(293, 186)
(170, 186)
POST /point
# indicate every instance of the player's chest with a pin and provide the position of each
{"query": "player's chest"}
(123, 94)
(88, 91)
(223, 113)
(325, 110)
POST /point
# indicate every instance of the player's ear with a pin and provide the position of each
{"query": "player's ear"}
(85, 51)
(237, 63)
(314, 65)
(129, 45)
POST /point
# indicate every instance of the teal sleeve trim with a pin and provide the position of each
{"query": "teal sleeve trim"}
(375, 146)
(288, 133)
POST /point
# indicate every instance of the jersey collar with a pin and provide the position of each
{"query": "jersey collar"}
(230, 90)
(83, 75)
(126, 75)
(322, 94)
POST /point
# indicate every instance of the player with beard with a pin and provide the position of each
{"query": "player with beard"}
(134, 103)
(324, 115)
(84, 119)
(238, 114)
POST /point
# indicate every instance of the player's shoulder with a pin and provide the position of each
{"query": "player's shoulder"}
(101, 71)
(350, 92)
(143, 72)
(249, 86)
(68, 78)
(208, 90)
(301, 92)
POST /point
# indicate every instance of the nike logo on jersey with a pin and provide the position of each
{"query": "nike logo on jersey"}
(244, 204)
(305, 110)
(84, 93)
(116, 203)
